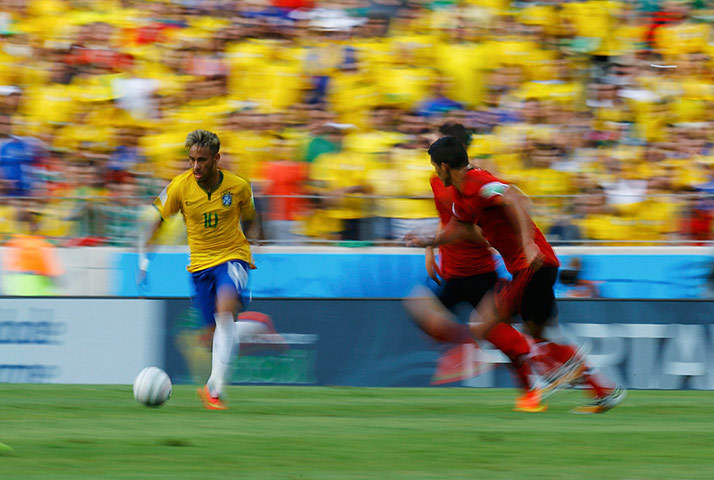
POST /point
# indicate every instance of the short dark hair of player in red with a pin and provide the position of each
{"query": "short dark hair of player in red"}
(450, 151)
(456, 130)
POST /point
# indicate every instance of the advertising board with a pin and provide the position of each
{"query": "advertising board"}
(640, 344)
(79, 340)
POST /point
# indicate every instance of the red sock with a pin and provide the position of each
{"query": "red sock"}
(511, 342)
(554, 355)
(543, 362)
(596, 386)
(559, 352)
(551, 355)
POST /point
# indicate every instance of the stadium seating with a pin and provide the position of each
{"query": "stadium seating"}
(598, 109)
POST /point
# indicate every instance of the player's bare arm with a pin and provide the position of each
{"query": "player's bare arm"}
(250, 228)
(248, 222)
(454, 231)
(457, 230)
(147, 232)
(432, 266)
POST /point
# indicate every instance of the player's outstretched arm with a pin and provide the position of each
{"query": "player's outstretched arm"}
(454, 231)
(147, 230)
(457, 230)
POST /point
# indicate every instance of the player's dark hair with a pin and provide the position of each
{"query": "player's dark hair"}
(203, 138)
(450, 151)
(457, 130)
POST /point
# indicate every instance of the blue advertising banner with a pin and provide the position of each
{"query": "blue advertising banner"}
(299, 275)
(385, 275)
(650, 344)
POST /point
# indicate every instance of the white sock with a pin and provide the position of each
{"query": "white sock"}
(224, 348)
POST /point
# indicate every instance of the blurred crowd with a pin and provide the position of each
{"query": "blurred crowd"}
(600, 110)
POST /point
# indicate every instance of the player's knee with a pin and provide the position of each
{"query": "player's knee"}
(227, 306)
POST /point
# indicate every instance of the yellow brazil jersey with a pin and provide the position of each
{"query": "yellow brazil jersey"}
(404, 85)
(282, 82)
(591, 19)
(655, 218)
(246, 61)
(407, 175)
(343, 170)
(625, 39)
(683, 38)
(464, 65)
(606, 227)
(212, 220)
(352, 94)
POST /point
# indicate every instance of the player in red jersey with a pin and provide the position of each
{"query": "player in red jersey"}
(468, 271)
(489, 210)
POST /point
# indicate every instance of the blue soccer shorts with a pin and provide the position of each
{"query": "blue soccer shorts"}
(206, 283)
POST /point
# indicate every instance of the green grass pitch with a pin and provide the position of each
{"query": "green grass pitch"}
(96, 432)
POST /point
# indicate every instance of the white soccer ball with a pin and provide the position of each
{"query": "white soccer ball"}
(152, 387)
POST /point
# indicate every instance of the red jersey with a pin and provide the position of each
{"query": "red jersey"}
(477, 202)
(463, 258)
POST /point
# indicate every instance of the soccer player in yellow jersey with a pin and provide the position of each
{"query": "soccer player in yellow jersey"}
(213, 202)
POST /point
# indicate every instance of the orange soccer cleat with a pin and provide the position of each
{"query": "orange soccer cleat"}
(209, 402)
(530, 402)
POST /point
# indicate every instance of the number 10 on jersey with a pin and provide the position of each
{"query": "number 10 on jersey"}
(210, 220)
